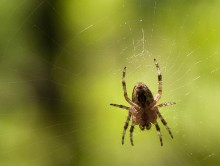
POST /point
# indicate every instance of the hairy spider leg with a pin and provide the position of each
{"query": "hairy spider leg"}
(120, 106)
(159, 93)
(127, 121)
(125, 92)
(125, 127)
(164, 123)
(165, 104)
(159, 79)
(131, 134)
(159, 133)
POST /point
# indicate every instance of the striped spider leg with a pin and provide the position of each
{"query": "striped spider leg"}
(155, 109)
(159, 93)
(126, 123)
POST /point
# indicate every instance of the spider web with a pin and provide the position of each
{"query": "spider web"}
(58, 79)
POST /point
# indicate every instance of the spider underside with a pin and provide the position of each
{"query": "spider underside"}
(143, 110)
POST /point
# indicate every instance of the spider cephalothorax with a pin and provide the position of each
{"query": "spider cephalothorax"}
(143, 110)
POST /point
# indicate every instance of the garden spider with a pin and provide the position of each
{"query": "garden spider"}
(144, 110)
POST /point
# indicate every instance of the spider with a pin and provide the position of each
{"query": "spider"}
(143, 109)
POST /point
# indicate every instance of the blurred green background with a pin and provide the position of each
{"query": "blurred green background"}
(61, 66)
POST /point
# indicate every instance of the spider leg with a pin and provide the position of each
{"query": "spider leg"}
(131, 134)
(165, 104)
(120, 106)
(159, 80)
(159, 93)
(159, 133)
(125, 127)
(164, 123)
(125, 91)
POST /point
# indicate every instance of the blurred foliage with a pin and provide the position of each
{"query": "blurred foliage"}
(61, 66)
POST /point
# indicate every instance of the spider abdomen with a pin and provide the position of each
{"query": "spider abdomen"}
(142, 95)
